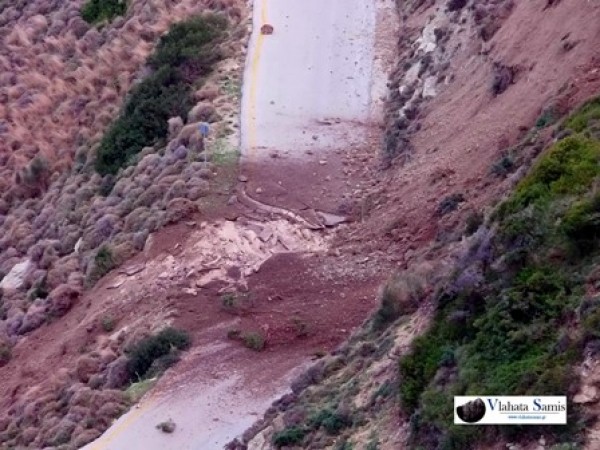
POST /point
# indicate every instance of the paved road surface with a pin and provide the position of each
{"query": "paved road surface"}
(316, 66)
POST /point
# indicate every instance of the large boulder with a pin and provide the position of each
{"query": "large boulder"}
(15, 279)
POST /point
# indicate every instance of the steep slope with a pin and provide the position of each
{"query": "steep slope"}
(476, 91)
(63, 227)
(62, 80)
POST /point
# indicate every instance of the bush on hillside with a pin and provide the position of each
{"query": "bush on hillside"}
(94, 11)
(103, 262)
(288, 437)
(188, 52)
(400, 296)
(189, 44)
(5, 353)
(146, 352)
(513, 331)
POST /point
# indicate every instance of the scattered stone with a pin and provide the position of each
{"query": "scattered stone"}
(322, 162)
(265, 235)
(243, 178)
(166, 427)
(78, 245)
(587, 394)
(259, 190)
(133, 269)
(331, 220)
(116, 284)
(232, 216)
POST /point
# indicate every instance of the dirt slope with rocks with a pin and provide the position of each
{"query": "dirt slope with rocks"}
(475, 87)
(472, 93)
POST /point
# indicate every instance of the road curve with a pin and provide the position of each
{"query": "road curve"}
(316, 67)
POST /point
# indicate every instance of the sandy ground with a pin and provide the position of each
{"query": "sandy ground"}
(311, 101)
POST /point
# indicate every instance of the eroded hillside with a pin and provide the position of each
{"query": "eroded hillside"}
(64, 223)
(479, 92)
(101, 151)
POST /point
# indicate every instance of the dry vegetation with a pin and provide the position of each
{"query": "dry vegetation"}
(62, 225)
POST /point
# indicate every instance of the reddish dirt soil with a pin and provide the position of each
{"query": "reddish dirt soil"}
(465, 129)
(326, 180)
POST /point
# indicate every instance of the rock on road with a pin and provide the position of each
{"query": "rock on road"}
(316, 66)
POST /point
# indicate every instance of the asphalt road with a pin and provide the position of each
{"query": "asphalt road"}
(316, 67)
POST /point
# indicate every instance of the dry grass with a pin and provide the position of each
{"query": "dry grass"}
(62, 84)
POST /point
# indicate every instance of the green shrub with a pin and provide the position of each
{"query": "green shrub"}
(103, 262)
(418, 368)
(188, 52)
(108, 323)
(94, 11)
(400, 296)
(288, 437)
(147, 351)
(331, 421)
(229, 301)
(5, 353)
(585, 116)
(190, 43)
(547, 118)
(254, 341)
(591, 325)
(449, 204)
(38, 290)
(568, 168)
(514, 333)
(473, 222)
(503, 167)
(581, 224)
(160, 365)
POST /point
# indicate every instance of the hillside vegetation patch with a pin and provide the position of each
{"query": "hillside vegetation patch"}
(158, 351)
(184, 55)
(95, 11)
(506, 322)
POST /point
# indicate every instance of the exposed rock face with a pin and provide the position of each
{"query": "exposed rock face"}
(15, 279)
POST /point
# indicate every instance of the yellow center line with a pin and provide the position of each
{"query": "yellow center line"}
(132, 416)
(254, 65)
(103, 442)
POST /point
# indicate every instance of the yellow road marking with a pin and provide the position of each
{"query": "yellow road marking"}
(254, 78)
(103, 442)
(106, 439)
